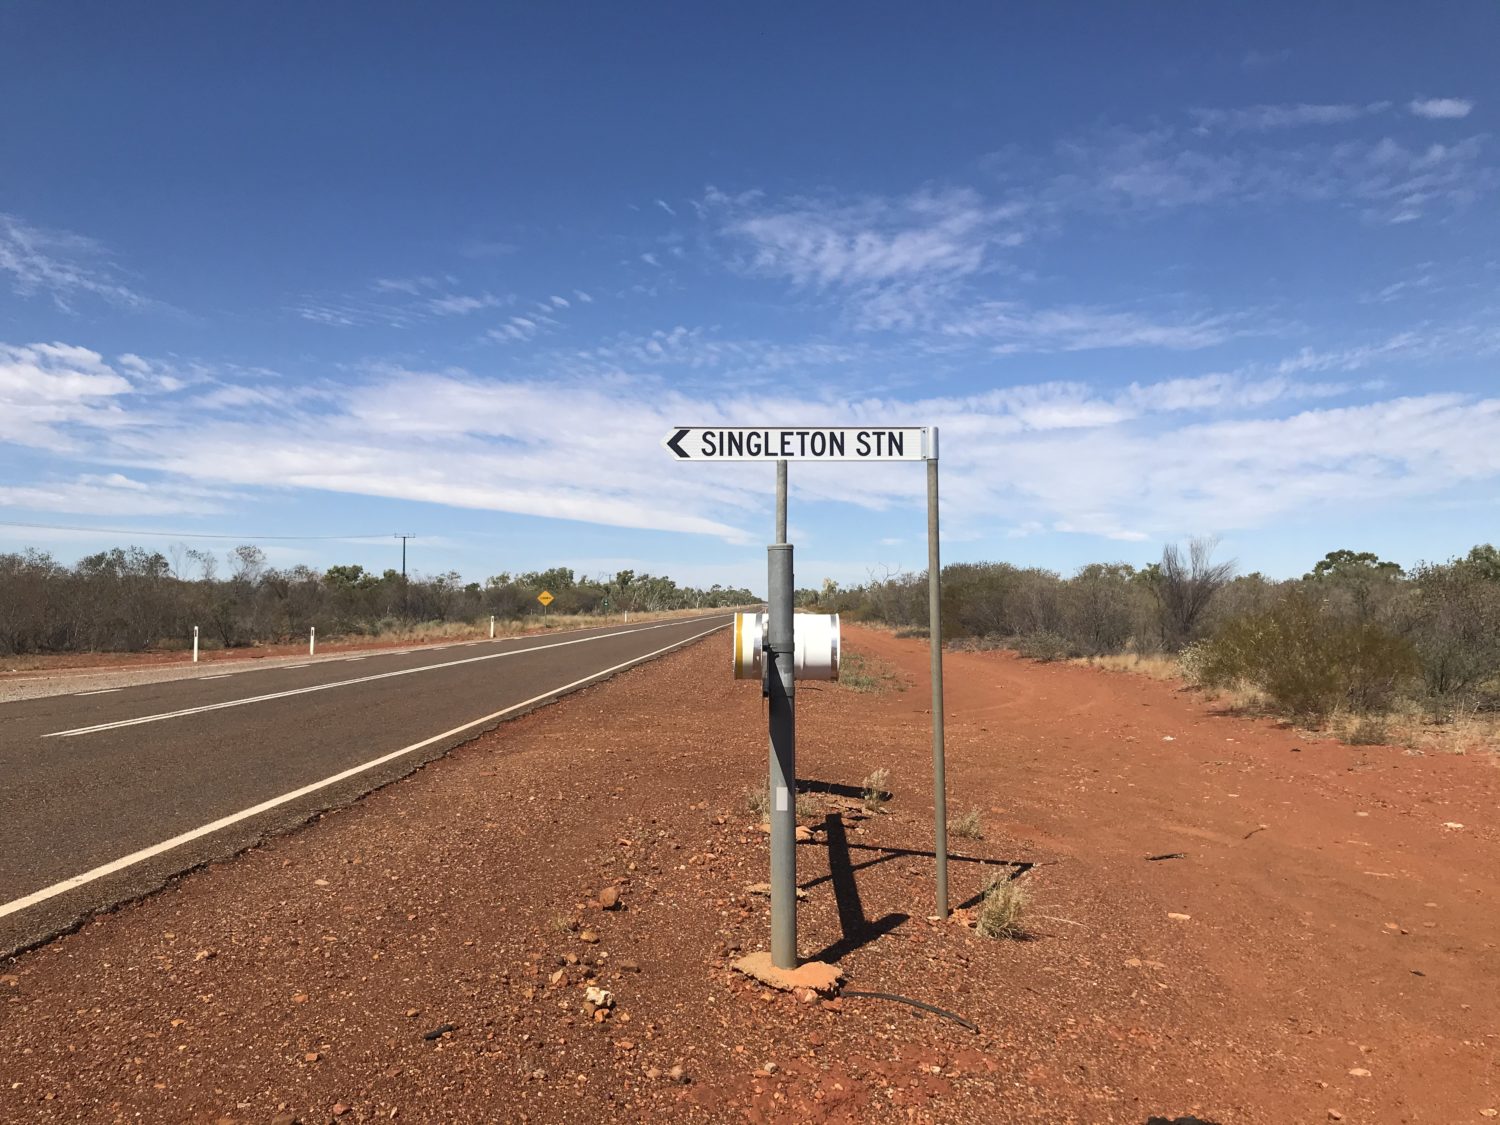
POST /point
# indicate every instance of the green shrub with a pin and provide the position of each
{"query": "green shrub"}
(1045, 646)
(1307, 662)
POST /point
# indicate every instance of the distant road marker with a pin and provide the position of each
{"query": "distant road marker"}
(345, 683)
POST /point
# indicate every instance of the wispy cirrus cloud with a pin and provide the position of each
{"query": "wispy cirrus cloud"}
(1261, 118)
(865, 242)
(1223, 450)
(1441, 109)
(1010, 327)
(62, 265)
(1385, 180)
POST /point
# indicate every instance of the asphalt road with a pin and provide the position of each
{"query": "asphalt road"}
(106, 795)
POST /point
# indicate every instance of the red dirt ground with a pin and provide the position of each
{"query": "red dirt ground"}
(1338, 961)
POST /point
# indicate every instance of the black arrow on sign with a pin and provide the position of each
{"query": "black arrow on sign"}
(677, 449)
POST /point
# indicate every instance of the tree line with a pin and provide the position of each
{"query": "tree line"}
(1356, 633)
(128, 599)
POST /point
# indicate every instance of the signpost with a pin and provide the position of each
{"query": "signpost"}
(828, 443)
(545, 597)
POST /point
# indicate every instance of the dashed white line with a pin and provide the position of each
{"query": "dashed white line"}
(101, 691)
(345, 683)
(265, 806)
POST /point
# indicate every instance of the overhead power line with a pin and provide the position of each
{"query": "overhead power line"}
(178, 534)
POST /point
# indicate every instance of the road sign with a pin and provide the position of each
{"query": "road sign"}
(801, 443)
(546, 598)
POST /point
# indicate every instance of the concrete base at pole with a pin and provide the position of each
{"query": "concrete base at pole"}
(819, 976)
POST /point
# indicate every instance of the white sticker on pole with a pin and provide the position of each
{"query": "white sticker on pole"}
(800, 443)
(815, 640)
(781, 799)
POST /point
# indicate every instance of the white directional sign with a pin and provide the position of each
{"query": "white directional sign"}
(802, 443)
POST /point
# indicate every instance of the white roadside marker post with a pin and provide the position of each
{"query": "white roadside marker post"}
(312, 640)
(492, 626)
(195, 644)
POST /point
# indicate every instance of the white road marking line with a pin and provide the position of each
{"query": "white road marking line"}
(343, 683)
(265, 806)
(284, 666)
(221, 676)
(101, 691)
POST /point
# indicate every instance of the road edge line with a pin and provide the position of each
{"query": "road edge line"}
(15, 906)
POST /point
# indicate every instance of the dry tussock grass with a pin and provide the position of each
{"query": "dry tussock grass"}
(1156, 665)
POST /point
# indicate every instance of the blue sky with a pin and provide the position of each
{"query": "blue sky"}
(351, 269)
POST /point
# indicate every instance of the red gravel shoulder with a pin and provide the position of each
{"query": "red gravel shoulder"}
(1338, 950)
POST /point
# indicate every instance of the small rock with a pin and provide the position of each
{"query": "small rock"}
(653, 1073)
(1133, 962)
(589, 936)
(1358, 1072)
(1452, 824)
(1335, 1115)
(1178, 917)
(311, 1056)
(599, 997)
(769, 1068)
(803, 834)
(1489, 1113)
(609, 898)
(339, 1109)
(205, 955)
(629, 967)
(557, 977)
(676, 1074)
(299, 998)
(285, 1119)
(624, 1045)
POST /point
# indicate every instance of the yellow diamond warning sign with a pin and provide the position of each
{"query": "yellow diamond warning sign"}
(545, 597)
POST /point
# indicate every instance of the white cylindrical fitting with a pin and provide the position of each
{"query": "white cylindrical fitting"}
(312, 640)
(195, 644)
(815, 637)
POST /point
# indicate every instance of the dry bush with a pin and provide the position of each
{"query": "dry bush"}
(1045, 647)
(1307, 663)
(876, 793)
(1368, 730)
(968, 826)
(1002, 913)
(758, 801)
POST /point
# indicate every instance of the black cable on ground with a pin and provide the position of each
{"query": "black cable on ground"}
(933, 1008)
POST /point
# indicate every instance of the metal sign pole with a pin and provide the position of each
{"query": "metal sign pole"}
(935, 642)
(783, 772)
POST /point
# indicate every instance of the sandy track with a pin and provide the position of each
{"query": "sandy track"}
(300, 978)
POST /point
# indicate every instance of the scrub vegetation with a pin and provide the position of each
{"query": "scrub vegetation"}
(129, 600)
(1357, 644)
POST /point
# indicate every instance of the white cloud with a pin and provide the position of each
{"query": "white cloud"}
(115, 494)
(1259, 118)
(667, 207)
(873, 241)
(1219, 451)
(61, 264)
(1441, 108)
(1012, 327)
(45, 388)
(1385, 180)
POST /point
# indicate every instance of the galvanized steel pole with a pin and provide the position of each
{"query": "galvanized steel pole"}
(935, 642)
(783, 755)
